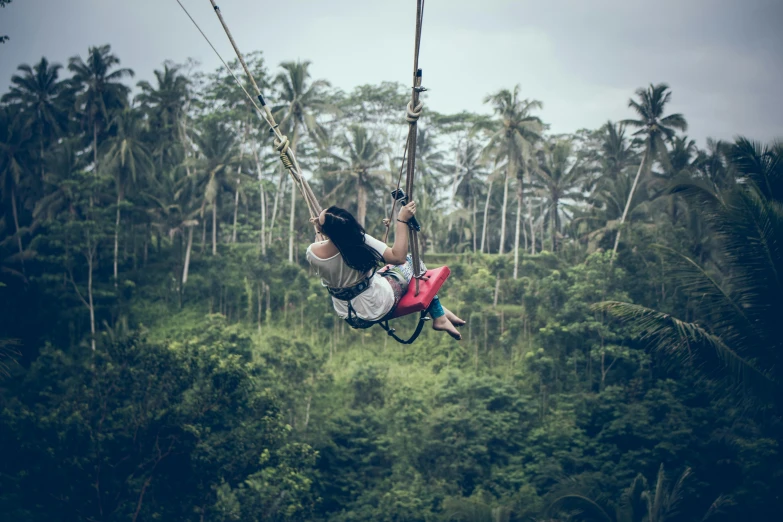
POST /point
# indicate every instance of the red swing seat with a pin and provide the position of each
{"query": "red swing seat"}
(411, 303)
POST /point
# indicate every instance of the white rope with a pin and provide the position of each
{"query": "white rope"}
(413, 114)
(281, 142)
(231, 72)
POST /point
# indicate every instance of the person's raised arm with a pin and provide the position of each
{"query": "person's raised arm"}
(397, 253)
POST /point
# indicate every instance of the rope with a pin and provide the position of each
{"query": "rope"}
(267, 112)
(282, 148)
(388, 221)
(287, 156)
(412, 116)
(231, 72)
(413, 113)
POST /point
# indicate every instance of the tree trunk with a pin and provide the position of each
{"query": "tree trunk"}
(95, 147)
(532, 234)
(361, 203)
(146, 254)
(187, 256)
(43, 164)
(181, 259)
(236, 198)
(16, 225)
(117, 238)
(268, 311)
(486, 214)
(518, 227)
(307, 410)
(260, 293)
(262, 195)
(203, 228)
(236, 212)
(214, 227)
(554, 225)
(475, 224)
(186, 149)
(90, 260)
(135, 249)
(291, 230)
(505, 208)
(454, 184)
(291, 224)
(276, 202)
(628, 205)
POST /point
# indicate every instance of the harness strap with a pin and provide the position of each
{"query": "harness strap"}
(352, 292)
(391, 331)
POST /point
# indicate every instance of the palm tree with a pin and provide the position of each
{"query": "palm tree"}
(713, 165)
(128, 157)
(175, 205)
(654, 128)
(512, 137)
(165, 105)
(638, 504)
(9, 353)
(98, 90)
(363, 157)
(606, 205)
(609, 191)
(485, 223)
(62, 164)
(616, 151)
(38, 94)
(461, 509)
(560, 177)
(738, 315)
(431, 168)
(218, 149)
(683, 162)
(468, 181)
(14, 134)
(300, 102)
(683, 157)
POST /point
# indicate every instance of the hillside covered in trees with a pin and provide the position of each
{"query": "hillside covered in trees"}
(167, 354)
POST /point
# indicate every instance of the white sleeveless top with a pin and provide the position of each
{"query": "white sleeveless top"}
(373, 303)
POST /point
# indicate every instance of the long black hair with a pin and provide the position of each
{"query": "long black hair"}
(348, 236)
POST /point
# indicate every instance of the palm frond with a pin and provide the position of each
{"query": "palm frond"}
(581, 504)
(684, 340)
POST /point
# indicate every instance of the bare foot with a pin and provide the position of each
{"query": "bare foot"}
(442, 324)
(456, 321)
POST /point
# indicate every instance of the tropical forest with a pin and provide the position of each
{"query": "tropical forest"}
(167, 352)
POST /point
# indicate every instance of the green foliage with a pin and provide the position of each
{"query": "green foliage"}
(143, 431)
(166, 354)
(735, 326)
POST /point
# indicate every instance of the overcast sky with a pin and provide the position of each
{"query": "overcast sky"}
(583, 58)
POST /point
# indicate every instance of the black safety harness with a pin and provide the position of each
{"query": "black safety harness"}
(347, 294)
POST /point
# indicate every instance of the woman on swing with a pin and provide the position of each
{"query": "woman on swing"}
(347, 261)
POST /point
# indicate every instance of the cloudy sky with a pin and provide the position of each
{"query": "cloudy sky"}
(583, 58)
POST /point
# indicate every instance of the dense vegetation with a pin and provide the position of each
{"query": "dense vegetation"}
(167, 355)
